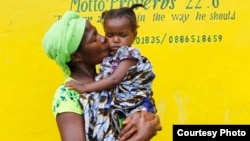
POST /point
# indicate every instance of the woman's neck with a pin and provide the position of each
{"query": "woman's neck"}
(84, 74)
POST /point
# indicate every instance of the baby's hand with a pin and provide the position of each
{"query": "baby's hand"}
(74, 85)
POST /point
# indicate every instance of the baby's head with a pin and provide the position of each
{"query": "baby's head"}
(120, 26)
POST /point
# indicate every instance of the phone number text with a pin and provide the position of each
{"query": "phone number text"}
(174, 39)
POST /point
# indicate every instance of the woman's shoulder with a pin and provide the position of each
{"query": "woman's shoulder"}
(64, 94)
(66, 100)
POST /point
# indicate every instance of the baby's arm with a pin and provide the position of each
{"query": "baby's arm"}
(106, 83)
(114, 79)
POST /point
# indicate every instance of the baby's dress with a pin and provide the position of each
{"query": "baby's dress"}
(134, 93)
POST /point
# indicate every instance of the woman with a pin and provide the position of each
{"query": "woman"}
(77, 48)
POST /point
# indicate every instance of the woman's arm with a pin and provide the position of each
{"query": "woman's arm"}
(71, 126)
(140, 126)
(107, 83)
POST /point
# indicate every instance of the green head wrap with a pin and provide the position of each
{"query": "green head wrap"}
(63, 38)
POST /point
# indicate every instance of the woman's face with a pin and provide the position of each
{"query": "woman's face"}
(93, 46)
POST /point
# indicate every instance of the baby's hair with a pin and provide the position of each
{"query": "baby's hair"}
(127, 12)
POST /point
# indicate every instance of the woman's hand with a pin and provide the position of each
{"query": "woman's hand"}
(140, 126)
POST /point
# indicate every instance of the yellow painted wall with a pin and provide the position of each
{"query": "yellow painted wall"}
(204, 82)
